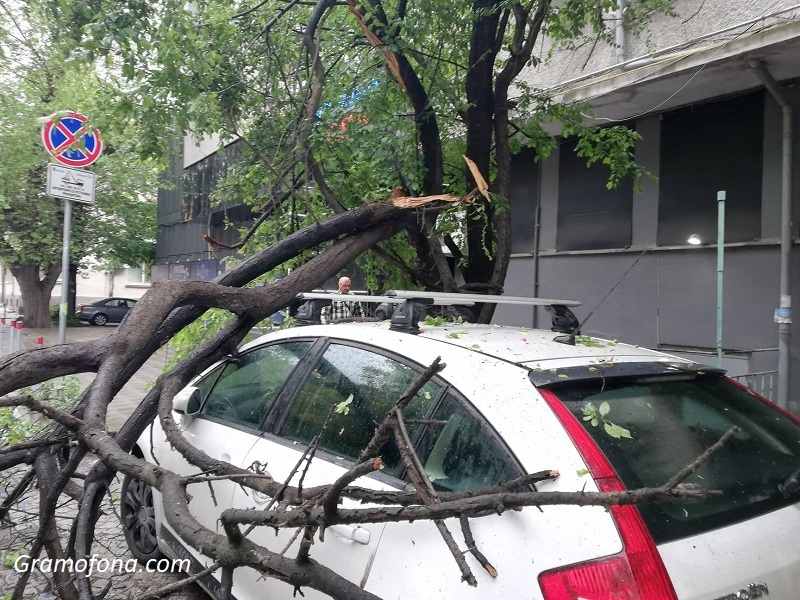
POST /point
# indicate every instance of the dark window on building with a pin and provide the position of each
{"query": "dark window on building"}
(704, 149)
(201, 178)
(524, 200)
(590, 216)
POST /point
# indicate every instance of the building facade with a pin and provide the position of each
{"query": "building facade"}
(696, 89)
(708, 89)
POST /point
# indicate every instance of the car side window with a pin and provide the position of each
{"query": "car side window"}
(460, 453)
(250, 383)
(374, 381)
(206, 383)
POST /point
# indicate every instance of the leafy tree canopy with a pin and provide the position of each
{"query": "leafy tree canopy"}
(38, 80)
(341, 102)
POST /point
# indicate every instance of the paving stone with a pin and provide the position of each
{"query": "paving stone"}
(109, 539)
(109, 544)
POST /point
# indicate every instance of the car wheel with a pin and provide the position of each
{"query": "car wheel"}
(99, 319)
(138, 519)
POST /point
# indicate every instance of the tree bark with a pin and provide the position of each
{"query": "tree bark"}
(36, 293)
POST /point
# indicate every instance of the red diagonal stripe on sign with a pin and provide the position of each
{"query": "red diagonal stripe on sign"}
(71, 137)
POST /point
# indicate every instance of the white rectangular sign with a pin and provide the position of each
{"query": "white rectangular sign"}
(71, 184)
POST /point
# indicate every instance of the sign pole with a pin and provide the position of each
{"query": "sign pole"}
(62, 310)
(69, 142)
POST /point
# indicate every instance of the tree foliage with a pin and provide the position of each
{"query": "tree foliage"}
(119, 229)
(339, 103)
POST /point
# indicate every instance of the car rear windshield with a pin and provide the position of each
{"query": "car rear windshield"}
(650, 428)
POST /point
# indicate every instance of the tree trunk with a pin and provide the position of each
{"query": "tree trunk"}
(35, 293)
(72, 292)
(480, 115)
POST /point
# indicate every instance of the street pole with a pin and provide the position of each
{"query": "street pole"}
(720, 266)
(783, 314)
(62, 311)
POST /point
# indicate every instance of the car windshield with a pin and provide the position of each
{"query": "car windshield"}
(672, 422)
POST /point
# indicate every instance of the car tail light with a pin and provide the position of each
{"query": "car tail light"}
(80, 307)
(636, 573)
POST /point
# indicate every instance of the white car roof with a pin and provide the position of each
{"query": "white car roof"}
(518, 345)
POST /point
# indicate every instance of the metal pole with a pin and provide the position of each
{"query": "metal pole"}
(785, 324)
(62, 313)
(720, 267)
(783, 314)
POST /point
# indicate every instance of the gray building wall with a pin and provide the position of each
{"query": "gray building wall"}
(186, 214)
(694, 24)
(667, 294)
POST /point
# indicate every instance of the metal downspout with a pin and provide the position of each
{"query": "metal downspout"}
(783, 315)
(537, 226)
(619, 32)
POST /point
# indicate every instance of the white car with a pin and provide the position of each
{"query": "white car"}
(606, 415)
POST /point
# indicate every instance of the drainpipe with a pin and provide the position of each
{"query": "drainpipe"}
(619, 33)
(783, 315)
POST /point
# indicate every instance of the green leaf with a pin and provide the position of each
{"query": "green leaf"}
(604, 408)
(611, 430)
(343, 408)
(616, 431)
(595, 422)
(582, 472)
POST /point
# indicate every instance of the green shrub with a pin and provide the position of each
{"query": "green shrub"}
(72, 320)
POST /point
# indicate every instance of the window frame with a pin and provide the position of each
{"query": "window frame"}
(293, 380)
(280, 413)
(473, 413)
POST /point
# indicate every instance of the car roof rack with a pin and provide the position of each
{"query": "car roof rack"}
(412, 303)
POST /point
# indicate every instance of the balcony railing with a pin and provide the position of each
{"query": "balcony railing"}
(764, 383)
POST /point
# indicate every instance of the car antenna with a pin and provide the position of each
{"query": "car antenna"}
(569, 339)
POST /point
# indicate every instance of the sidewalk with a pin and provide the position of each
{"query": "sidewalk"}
(131, 394)
(109, 540)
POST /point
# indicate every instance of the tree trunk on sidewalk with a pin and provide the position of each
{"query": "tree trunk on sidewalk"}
(36, 293)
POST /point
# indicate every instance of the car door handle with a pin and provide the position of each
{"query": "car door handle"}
(356, 534)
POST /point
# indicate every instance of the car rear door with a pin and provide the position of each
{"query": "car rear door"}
(363, 384)
(741, 545)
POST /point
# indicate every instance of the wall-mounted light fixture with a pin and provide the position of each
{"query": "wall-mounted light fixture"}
(694, 240)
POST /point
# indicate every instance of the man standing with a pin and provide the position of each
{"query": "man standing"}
(341, 309)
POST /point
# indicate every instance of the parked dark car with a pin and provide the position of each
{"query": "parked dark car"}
(106, 310)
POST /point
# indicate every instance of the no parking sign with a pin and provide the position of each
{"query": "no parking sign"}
(69, 142)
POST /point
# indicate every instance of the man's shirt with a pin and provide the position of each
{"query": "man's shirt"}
(340, 309)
